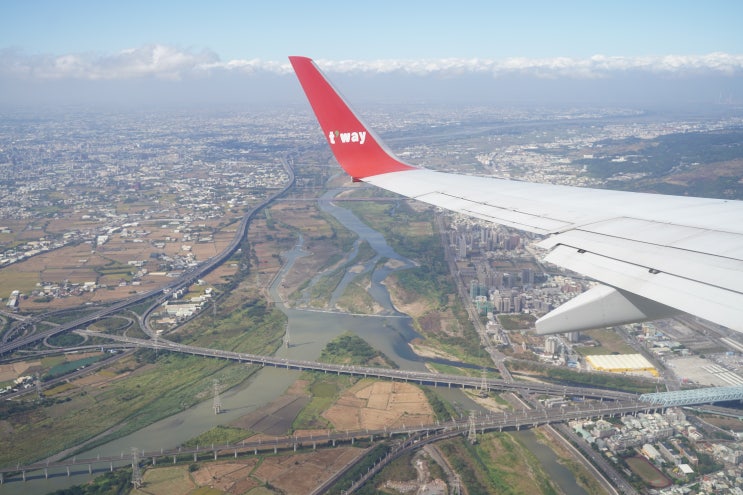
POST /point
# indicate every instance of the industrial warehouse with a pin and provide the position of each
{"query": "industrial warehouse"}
(625, 363)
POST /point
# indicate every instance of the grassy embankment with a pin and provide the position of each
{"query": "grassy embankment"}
(498, 463)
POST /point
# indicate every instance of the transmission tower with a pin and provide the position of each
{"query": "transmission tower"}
(39, 389)
(456, 487)
(217, 400)
(136, 473)
(287, 343)
(472, 434)
(484, 384)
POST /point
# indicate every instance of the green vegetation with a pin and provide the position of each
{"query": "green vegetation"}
(113, 483)
(219, 435)
(462, 460)
(113, 324)
(356, 297)
(341, 236)
(370, 458)
(601, 380)
(67, 339)
(707, 464)
(442, 410)
(663, 154)
(426, 283)
(324, 390)
(21, 281)
(322, 289)
(63, 317)
(582, 476)
(245, 323)
(611, 342)
(352, 349)
(516, 321)
(705, 164)
(401, 469)
(64, 368)
(498, 463)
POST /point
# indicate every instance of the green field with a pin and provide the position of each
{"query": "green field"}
(647, 472)
(611, 342)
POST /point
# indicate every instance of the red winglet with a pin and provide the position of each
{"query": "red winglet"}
(358, 150)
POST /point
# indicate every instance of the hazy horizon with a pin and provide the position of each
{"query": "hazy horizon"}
(148, 80)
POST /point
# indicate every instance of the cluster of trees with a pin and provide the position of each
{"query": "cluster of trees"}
(349, 349)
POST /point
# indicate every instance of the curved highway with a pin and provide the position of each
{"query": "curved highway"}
(184, 280)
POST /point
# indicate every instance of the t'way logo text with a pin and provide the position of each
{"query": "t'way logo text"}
(346, 137)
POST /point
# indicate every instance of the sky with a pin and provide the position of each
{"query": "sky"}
(77, 50)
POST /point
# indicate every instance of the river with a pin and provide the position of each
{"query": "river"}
(309, 331)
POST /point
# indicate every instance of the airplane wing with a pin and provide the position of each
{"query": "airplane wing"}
(656, 255)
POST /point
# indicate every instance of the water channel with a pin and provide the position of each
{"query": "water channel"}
(310, 331)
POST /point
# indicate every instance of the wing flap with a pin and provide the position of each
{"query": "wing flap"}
(713, 303)
(694, 265)
(601, 306)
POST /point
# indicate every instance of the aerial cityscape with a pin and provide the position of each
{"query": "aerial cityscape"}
(201, 293)
(99, 208)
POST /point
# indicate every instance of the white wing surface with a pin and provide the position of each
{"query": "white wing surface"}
(656, 255)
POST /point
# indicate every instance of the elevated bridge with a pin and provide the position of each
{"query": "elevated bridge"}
(420, 377)
(693, 397)
(512, 420)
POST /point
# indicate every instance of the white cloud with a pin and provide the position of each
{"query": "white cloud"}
(159, 61)
(170, 63)
(595, 66)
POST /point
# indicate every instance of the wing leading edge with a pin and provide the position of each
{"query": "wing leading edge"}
(657, 255)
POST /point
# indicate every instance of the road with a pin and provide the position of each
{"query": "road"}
(496, 356)
(420, 377)
(162, 293)
(414, 435)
